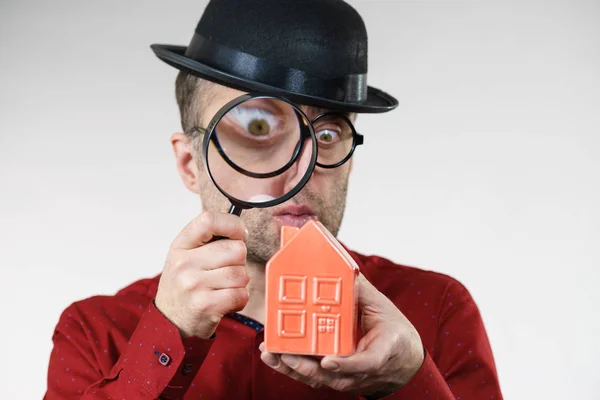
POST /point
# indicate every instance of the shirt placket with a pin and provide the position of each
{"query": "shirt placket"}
(255, 331)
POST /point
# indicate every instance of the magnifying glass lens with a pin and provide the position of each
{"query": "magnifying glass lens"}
(260, 151)
(259, 136)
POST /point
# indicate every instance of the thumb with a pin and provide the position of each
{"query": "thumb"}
(369, 298)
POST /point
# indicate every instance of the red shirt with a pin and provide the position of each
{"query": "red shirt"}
(122, 347)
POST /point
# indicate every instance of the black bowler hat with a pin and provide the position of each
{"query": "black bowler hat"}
(311, 51)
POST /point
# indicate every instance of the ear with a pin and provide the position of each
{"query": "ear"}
(185, 161)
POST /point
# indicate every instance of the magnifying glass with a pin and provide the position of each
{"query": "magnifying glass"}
(259, 151)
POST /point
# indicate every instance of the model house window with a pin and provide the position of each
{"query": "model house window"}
(327, 291)
(292, 323)
(292, 289)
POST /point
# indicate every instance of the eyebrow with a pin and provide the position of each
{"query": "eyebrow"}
(320, 110)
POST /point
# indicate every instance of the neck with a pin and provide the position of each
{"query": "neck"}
(255, 308)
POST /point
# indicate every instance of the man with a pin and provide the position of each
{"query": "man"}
(195, 331)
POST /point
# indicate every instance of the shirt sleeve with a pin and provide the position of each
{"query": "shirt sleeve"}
(460, 366)
(155, 363)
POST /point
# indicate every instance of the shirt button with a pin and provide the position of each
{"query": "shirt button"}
(164, 359)
(187, 368)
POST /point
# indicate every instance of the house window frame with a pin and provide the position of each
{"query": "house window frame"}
(283, 299)
(280, 325)
(336, 301)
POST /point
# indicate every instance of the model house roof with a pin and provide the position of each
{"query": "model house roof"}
(311, 233)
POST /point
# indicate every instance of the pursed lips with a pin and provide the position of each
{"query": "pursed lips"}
(294, 215)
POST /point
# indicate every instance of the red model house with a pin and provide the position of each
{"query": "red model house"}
(311, 294)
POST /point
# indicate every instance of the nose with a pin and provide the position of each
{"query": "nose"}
(300, 168)
(292, 177)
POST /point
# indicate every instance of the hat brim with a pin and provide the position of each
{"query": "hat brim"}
(377, 101)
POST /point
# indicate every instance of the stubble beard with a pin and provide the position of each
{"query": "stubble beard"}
(264, 238)
(264, 232)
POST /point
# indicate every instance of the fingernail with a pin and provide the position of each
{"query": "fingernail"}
(247, 232)
(330, 365)
(261, 346)
(290, 360)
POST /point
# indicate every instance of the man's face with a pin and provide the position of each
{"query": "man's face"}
(323, 198)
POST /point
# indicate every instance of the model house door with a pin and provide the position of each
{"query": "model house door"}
(326, 333)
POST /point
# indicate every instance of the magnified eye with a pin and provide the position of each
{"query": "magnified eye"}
(257, 122)
(259, 127)
(327, 136)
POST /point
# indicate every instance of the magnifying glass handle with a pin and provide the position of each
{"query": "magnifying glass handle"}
(235, 210)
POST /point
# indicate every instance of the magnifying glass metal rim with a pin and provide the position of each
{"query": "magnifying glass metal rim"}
(237, 204)
(297, 150)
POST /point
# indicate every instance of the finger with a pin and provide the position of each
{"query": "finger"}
(207, 225)
(271, 359)
(224, 252)
(309, 368)
(274, 361)
(229, 300)
(370, 359)
(369, 298)
(227, 277)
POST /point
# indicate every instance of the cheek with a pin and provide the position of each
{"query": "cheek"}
(327, 182)
(210, 196)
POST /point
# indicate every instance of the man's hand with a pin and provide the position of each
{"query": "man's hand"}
(203, 281)
(387, 357)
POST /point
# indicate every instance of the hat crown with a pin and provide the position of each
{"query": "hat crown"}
(325, 38)
(309, 51)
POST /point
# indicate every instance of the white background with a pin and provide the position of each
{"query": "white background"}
(488, 171)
